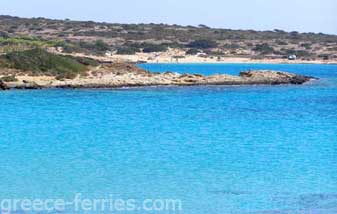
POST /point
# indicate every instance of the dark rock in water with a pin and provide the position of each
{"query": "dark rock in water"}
(246, 74)
(28, 85)
(3, 86)
(275, 77)
(67, 86)
(299, 79)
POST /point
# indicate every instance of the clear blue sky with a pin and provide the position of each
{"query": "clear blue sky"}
(290, 15)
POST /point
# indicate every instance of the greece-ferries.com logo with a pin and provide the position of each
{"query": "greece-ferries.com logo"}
(82, 204)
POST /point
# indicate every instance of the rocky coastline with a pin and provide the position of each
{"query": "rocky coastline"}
(117, 75)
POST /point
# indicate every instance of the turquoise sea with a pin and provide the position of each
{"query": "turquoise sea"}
(219, 149)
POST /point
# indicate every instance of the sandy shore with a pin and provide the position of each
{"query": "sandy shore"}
(176, 56)
(182, 58)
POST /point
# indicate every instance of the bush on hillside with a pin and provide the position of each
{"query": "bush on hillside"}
(149, 48)
(4, 34)
(192, 51)
(263, 48)
(307, 46)
(127, 50)
(99, 47)
(39, 61)
(280, 42)
(9, 79)
(232, 46)
(202, 44)
(324, 56)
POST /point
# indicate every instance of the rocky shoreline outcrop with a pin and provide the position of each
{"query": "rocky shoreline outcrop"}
(3, 86)
(117, 75)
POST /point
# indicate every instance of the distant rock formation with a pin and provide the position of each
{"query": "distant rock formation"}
(276, 77)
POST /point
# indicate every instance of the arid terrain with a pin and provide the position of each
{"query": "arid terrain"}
(44, 53)
(165, 43)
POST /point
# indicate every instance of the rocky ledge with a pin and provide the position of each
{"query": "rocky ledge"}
(125, 75)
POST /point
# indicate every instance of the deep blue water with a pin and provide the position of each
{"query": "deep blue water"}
(250, 149)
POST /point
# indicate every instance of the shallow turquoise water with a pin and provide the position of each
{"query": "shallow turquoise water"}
(250, 149)
(235, 68)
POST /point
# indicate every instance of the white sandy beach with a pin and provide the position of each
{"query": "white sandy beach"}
(178, 56)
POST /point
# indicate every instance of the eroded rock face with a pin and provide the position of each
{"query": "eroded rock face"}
(24, 84)
(300, 79)
(28, 85)
(274, 77)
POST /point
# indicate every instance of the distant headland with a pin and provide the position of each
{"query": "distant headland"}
(37, 69)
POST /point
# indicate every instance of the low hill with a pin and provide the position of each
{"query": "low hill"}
(41, 62)
(99, 38)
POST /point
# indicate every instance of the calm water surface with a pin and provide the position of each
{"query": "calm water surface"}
(251, 149)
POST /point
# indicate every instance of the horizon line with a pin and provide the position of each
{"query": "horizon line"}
(162, 23)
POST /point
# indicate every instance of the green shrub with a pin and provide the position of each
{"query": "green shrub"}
(215, 53)
(324, 56)
(263, 48)
(4, 34)
(174, 45)
(202, 44)
(86, 61)
(149, 48)
(41, 62)
(99, 47)
(301, 53)
(192, 51)
(127, 50)
(9, 79)
(70, 48)
(306, 45)
(280, 42)
(20, 43)
(232, 46)
(295, 35)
